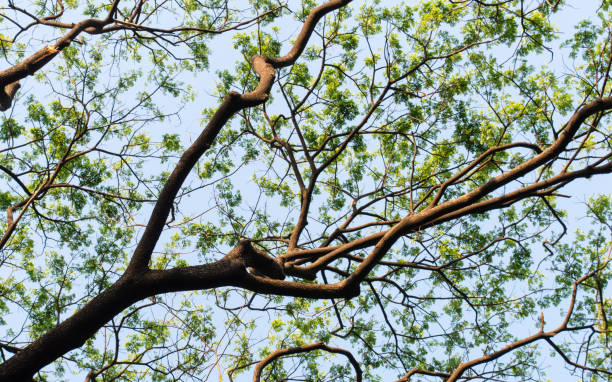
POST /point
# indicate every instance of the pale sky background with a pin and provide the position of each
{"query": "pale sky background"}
(223, 55)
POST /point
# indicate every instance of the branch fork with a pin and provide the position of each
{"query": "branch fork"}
(139, 281)
(259, 262)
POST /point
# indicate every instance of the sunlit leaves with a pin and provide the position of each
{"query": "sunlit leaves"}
(387, 103)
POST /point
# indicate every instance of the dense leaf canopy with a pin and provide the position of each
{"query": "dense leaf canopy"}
(268, 190)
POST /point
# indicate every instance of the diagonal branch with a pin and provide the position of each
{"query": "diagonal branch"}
(9, 78)
(139, 281)
(458, 372)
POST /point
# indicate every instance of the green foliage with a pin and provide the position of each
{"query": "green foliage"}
(388, 102)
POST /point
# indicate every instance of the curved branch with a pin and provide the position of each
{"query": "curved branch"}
(232, 103)
(309, 24)
(416, 371)
(305, 349)
(16, 179)
(36, 61)
(9, 78)
(139, 281)
(538, 336)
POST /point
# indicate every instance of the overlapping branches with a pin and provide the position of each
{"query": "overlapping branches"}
(259, 367)
(135, 21)
(139, 281)
(363, 244)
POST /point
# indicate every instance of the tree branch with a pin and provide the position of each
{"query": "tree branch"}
(305, 349)
(139, 281)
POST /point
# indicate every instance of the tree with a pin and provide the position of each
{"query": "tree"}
(375, 193)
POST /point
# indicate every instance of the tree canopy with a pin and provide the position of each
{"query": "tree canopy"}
(311, 191)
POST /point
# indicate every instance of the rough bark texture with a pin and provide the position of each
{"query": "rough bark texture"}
(248, 267)
(139, 281)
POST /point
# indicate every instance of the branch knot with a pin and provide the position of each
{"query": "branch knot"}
(260, 262)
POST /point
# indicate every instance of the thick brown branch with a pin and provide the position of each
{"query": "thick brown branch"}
(7, 93)
(425, 217)
(478, 160)
(36, 61)
(9, 78)
(74, 331)
(139, 281)
(311, 21)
